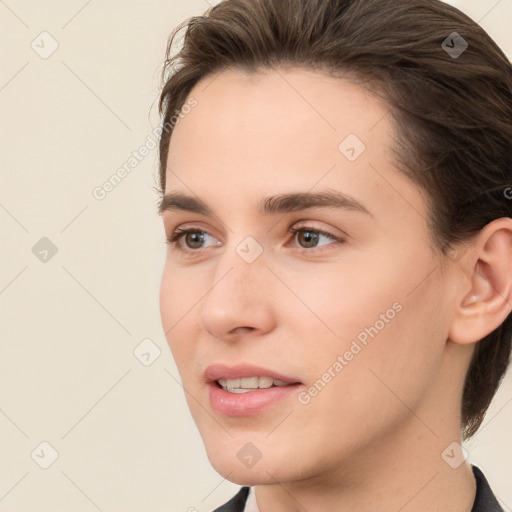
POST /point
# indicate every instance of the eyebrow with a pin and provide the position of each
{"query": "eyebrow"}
(283, 203)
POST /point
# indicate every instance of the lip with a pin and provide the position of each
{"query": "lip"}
(251, 402)
(223, 371)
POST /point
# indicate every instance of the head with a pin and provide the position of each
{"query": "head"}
(406, 296)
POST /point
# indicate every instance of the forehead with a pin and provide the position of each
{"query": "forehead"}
(281, 109)
(276, 131)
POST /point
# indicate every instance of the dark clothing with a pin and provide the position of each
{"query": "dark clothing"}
(485, 501)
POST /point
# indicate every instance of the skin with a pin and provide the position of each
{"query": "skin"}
(376, 432)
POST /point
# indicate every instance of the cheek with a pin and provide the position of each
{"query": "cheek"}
(167, 301)
(176, 312)
(384, 322)
(365, 399)
(337, 303)
(181, 289)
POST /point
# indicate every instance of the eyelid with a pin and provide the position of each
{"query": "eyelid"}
(180, 232)
(307, 225)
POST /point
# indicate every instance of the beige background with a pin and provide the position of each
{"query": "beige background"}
(70, 325)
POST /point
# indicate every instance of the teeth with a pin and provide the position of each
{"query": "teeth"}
(245, 384)
(265, 382)
(249, 382)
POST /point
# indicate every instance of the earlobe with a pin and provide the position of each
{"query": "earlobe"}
(487, 287)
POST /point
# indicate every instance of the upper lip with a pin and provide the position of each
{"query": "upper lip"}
(223, 371)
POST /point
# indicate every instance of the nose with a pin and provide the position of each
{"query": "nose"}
(239, 299)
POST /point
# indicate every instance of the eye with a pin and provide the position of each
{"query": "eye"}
(312, 236)
(194, 238)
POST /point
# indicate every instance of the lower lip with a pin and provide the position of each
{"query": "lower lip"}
(250, 402)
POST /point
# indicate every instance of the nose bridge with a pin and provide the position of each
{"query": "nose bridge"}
(243, 264)
(239, 295)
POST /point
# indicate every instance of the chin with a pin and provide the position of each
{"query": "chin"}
(266, 470)
(260, 474)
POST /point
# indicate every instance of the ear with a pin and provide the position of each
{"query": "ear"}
(485, 298)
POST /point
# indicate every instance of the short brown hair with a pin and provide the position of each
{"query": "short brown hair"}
(452, 113)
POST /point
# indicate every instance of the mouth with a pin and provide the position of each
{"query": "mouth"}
(245, 390)
(248, 384)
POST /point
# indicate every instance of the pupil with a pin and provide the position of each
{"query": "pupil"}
(311, 236)
(198, 241)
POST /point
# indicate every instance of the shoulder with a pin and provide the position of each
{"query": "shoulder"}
(236, 503)
(485, 500)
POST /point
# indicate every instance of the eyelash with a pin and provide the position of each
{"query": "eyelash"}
(180, 233)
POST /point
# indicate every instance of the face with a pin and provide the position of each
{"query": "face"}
(347, 310)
